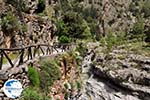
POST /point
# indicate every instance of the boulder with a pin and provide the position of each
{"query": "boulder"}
(3, 75)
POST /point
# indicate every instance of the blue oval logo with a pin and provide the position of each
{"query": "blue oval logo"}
(12, 88)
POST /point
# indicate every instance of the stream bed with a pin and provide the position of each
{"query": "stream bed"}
(95, 88)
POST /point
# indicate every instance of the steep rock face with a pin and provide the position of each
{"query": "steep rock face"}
(117, 15)
(39, 30)
(131, 72)
(118, 75)
(118, 18)
(32, 27)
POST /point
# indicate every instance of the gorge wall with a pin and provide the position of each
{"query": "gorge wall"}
(33, 21)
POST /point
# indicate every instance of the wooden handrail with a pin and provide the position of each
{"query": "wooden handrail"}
(34, 45)
(31, 51)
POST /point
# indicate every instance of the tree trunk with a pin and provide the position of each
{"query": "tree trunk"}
(7, 41)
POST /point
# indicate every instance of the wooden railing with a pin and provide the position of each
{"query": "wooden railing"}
(29, 52)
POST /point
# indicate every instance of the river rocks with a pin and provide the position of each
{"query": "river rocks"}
(146, 67)
(116, 75)
(132, 73)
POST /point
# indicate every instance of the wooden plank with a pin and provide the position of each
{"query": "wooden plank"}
(52, 50)
(1, 59)
(9, 60)
(17, 49)
(29, 53)
(68, 46)
(61, 48)
(21, 57)
(35, 50)
(16, 59)
(38, 50)
(33, 45)
(55, 48)
(42, 50)
(25, 56)
(47, 50)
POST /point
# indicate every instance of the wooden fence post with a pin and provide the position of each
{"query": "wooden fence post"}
(42, 50)
(9, 60)
(35, 50)
(29, 53)
(1, 59)
(48, 50)
(21, 57)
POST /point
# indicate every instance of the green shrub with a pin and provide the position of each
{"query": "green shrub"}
(138, 29)
(62, 29)
(24, 27)
(86, 34)
(78, 85)
(92, 23)
(66, 86)
(10, 24)
(24, 7)
(67, 94)
(82, 49)
(111, 40)
(73, 26)
(32, 94)
(64, 39)
(50, 72)
(146, 8)
(33, 76)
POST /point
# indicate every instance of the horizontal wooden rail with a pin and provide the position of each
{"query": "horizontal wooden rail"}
(34, 45)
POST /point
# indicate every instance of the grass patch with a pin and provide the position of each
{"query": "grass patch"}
(31, 93)
(138, 47)
(112, 40)
(11, 56)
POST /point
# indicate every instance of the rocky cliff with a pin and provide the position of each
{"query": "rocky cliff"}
(117, 75)
(118, 16)
(21, 25)
(32, 20)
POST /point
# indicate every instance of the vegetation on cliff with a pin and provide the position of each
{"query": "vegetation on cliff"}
(55, 78)
(114, 24)
(77, 19)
